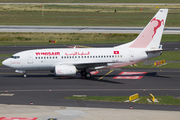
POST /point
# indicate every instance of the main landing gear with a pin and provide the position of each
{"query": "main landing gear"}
(86, 74)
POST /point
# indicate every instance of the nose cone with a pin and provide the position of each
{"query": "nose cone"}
(5, 62)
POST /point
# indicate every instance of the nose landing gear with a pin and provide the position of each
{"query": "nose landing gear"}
(22, 71)
(24, 75)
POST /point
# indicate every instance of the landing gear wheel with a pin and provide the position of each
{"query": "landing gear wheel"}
(88, 75)
(24, 75)
(83, 73)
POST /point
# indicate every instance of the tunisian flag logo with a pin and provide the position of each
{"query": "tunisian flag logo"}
(116, 52)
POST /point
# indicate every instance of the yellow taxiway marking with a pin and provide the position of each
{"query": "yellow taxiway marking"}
(106, 74)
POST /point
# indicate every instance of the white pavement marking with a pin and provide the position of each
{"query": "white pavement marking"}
(7, 95)
(79, 95)
(130, 75)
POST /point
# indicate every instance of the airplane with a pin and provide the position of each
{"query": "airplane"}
(70, 61)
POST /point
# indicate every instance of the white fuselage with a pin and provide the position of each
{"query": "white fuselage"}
(47, 59)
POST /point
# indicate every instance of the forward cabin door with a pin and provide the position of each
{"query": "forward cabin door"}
(30, 58)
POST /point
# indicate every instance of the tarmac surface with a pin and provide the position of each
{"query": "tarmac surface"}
(81, 29)
(46, 92)
(42, 88)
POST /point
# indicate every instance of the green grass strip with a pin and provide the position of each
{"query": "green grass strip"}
(163, 100)
(5, 55)
(7, 38)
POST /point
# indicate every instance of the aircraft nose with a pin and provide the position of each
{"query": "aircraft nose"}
(5, 63)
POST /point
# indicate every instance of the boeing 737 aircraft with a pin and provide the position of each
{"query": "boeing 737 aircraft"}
(69, 61)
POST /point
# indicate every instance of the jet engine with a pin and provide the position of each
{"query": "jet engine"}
(65, 70)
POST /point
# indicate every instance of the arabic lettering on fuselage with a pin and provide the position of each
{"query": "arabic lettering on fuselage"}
(78, 53)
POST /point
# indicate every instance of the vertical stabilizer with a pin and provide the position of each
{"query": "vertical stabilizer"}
(150, 37)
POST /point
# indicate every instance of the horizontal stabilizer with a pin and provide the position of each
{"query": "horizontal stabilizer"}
(158, 50)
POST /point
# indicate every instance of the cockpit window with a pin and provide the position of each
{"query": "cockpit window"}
(15, 57)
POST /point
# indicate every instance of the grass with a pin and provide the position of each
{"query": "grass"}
(63, 38)
(5, 55)
(163, 100)
(169, 56)
(90, 1)
(101, 98)
(7, 38)
(80, 15)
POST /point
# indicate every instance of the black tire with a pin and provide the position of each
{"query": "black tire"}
(24, 75)
(88, 75)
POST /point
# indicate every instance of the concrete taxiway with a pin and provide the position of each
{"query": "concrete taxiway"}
(80, 113)
(81, 29)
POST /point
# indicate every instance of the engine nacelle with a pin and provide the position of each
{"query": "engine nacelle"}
(65, 70)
